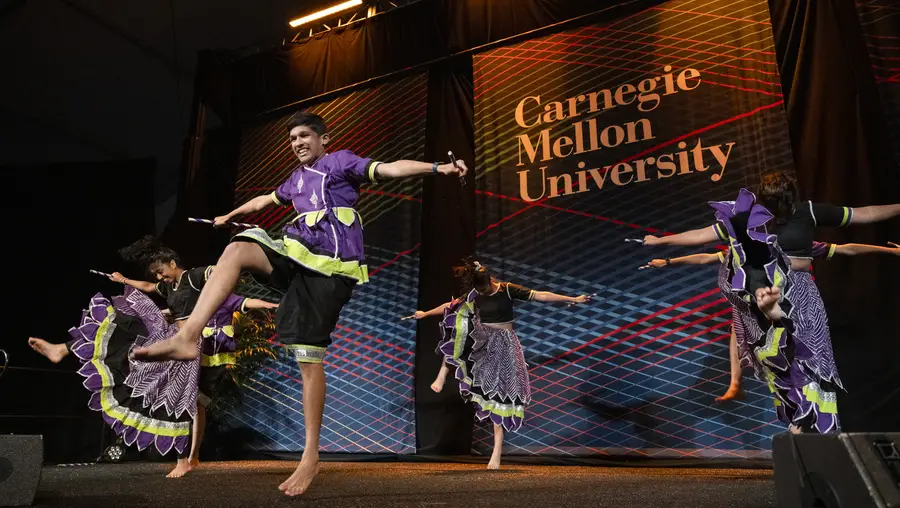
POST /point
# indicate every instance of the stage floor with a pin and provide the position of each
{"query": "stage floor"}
(393, 484)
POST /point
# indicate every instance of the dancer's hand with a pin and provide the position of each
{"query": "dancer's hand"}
(582, 299)
(449, 169)
(420, 315)
(895, 250)
(656, 263)
(268, 305)
(652, 240)
(117, 277)
(221, 221)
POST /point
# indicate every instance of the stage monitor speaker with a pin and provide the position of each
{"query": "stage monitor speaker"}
(21, 458)
(858, 470)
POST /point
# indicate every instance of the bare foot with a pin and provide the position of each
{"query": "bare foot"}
(179, 347)
(767, 301)
(438, 385)
(494, 463)
(735, 392)
(182, 467)
(299, 482)
(53, 352)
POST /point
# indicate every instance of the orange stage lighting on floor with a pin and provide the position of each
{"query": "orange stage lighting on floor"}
(325, 12)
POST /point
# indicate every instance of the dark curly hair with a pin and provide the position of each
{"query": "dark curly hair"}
(471, 274)
(149, 251)
(778, 192)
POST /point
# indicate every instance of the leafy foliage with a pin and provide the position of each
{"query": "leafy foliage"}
(253, 332)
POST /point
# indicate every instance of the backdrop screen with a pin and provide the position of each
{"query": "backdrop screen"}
(613, 131)
(369, 366)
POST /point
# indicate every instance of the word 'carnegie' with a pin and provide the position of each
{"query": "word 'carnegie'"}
(587, 136)
(645, 94)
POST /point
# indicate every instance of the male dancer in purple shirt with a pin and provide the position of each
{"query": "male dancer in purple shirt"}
(315, 264)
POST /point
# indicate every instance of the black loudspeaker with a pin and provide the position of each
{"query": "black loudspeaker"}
(837, 470)
(21, 458)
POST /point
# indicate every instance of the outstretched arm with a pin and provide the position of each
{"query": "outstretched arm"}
(254, 205)
(870, 214)
(437, 311)
(693, 259)
(405, 168)
(141, 285)
(547, 296)
(688, 238)
(852, 249)
(255, 303)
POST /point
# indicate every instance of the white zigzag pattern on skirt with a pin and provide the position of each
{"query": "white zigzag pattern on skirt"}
(811, 326)
(171, 385)
(499, 367)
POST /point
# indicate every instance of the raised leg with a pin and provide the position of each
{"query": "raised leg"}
(441, 378)
(238, 256)
(313, 375)
(498, 447)
(53, 352)
(736, 389)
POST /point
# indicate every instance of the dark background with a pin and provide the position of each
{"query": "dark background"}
(93, 83)
(64, 219)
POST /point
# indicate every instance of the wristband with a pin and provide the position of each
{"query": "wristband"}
(434, 167)
(668, 261)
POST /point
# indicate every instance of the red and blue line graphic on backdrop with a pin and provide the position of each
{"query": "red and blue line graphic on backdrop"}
(636, 371)
(880, 21)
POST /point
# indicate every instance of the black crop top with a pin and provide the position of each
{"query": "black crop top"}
(498, 307)
(181, 297)
(796, 236)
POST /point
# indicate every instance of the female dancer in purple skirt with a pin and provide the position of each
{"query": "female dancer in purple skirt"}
(778, 306)
(152, 402)
(181, 288)
(159, 414)
(480, 343)
(737, 347)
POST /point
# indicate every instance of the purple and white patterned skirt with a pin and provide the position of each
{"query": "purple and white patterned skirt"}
(793, 357)
(489, 366)
(144, 403)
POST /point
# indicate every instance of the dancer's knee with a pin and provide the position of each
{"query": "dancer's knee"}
(240, 254)
(310, 369)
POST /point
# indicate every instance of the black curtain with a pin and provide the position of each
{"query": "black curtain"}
(842, 153)
(68, 218)
(237, 88)
(443, 422)
(208, 193)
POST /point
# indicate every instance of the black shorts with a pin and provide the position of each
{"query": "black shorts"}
(208, 383)
(310, 307)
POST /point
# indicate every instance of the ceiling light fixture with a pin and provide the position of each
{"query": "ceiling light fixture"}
(325, 12)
